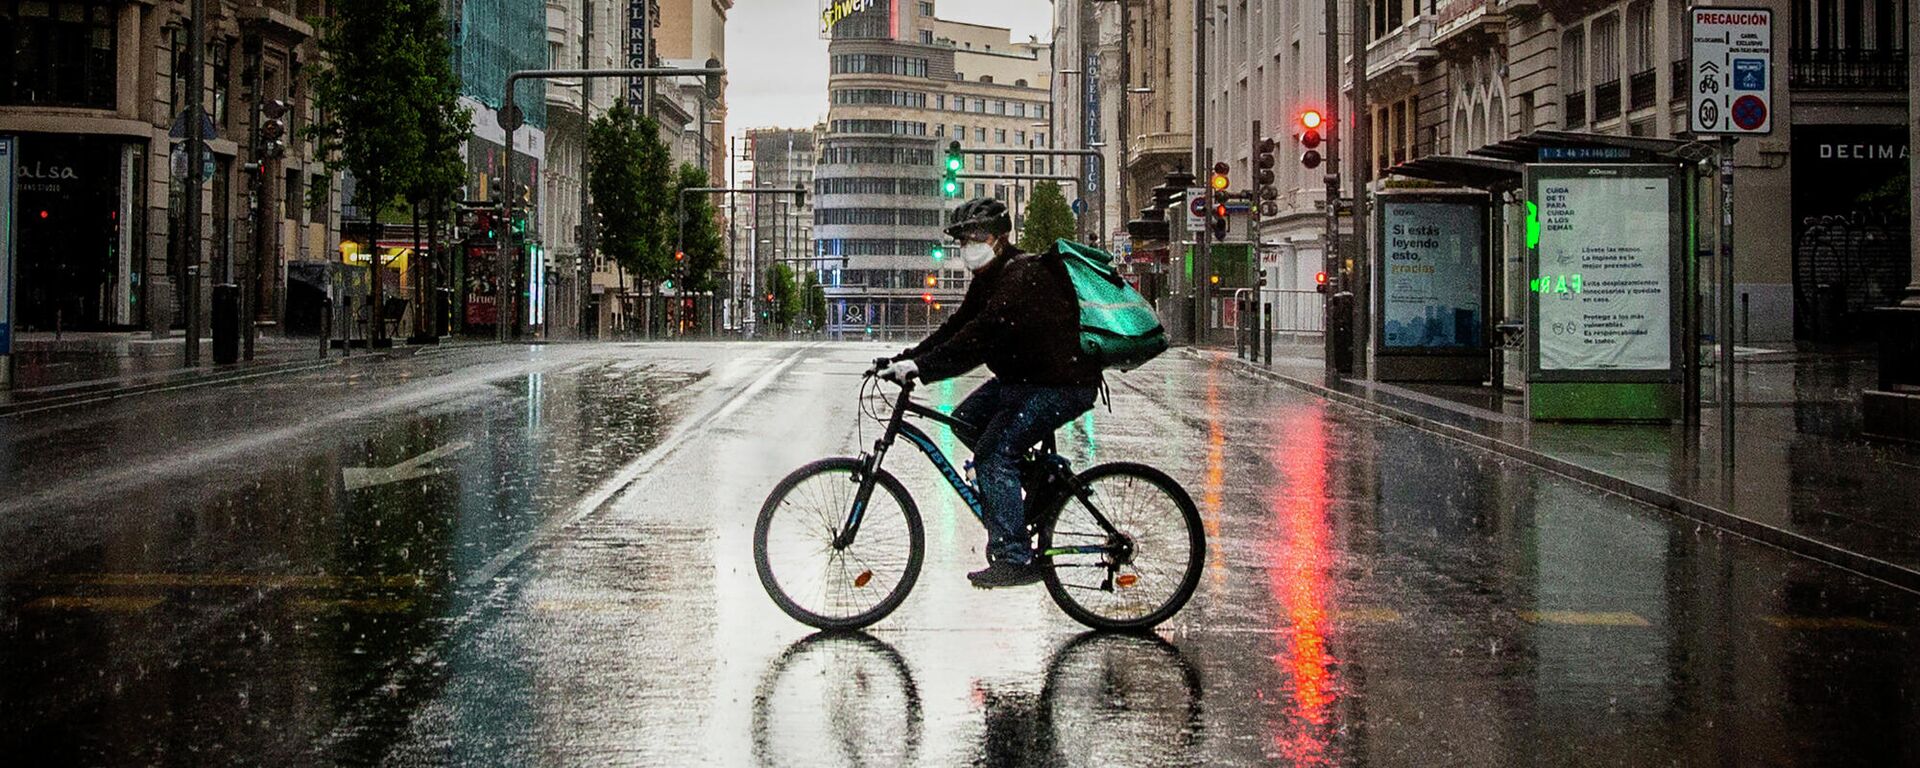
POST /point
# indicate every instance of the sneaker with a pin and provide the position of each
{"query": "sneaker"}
(1002, 574)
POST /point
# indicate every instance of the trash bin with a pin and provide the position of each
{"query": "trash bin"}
(226, 323)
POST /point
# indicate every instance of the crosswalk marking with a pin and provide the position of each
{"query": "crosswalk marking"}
(1586, 618)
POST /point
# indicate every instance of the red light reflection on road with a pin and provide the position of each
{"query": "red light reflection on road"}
(1211, 490)
(1299, 583)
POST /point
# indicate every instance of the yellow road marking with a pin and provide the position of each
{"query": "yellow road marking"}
(1825, 622)
(1586, 618)
(230, 580)
(94, 603)
(370, 605)
(1366, 616)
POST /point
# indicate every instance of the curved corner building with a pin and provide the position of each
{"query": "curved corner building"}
(902, 84)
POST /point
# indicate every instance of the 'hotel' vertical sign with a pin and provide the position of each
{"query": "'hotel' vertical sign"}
(637, 18)
(9, 162)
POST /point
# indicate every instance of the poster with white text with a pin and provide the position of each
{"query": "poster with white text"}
(1604, 285)
(1435, 254)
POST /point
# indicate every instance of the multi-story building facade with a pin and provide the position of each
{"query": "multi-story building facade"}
(95, 95)
(777, 228)
(903, 84)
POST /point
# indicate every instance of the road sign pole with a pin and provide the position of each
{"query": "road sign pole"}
(1725, 333)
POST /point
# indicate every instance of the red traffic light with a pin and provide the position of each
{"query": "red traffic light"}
(679, 255)
(1310, 119)
(1320, 282)
(927, 297)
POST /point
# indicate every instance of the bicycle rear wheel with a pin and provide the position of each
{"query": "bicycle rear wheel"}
(837, 587)
(1137, 569)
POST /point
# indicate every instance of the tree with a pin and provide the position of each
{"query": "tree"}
(816, 302)
(786, 295)
(1048, 219)
(632, 184)
(699, 232)
(388, 105)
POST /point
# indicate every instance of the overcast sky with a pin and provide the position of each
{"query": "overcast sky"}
(777, 63)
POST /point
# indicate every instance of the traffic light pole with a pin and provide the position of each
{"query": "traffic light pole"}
(512, 251)
(1330, 255)
(1202, 254)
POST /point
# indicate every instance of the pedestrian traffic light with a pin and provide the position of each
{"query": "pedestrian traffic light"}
(1219, 181)
(519, 222)
(1310, 138)
(950, 182)
(1265, 194)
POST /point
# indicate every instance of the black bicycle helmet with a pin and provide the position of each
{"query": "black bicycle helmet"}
(980, 213)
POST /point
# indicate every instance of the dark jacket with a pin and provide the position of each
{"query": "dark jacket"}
(1020, 318)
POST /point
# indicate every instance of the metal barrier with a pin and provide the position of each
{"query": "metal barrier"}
(1258, 315)
(1296, 311)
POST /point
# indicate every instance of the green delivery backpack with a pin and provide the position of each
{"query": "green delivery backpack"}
(1117, 326)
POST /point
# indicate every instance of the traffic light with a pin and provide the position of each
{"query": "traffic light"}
(1264, 192)
(1320, 282)
(927, 297)
(1217, 221)
(713, 81)
(1219, 181)
(939, 252)
(932, 281)
(680, 256)
(519, 222)
(497, 190)
(1310, 138)
(950, 182)
(273, 129)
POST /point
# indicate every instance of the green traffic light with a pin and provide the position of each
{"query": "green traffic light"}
(954, 163)
(951, 188)
(939, 253)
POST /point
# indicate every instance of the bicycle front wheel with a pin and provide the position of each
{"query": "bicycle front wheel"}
(825, 586)
(1125, 550)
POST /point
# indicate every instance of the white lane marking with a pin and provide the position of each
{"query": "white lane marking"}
(631, 473)
(417, 467)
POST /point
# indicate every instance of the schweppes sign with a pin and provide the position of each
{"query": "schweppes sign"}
(838, 11)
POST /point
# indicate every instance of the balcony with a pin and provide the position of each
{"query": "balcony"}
(1469, 21)
(1838, 69)
(1576, 112)
(1606, 101)
(1640, 91)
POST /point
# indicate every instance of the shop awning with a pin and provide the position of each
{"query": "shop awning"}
(1497, 167)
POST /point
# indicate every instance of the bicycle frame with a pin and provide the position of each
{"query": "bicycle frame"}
(898, 426)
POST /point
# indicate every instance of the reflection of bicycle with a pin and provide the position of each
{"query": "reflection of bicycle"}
(1122, 542)
(1101, 684)
(843, 692)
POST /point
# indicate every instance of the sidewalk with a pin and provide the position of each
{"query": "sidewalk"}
(1804, 480)
(86, 366)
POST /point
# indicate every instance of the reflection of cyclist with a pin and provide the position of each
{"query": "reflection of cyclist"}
(1021, 320)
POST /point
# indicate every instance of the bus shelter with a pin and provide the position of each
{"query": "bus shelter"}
(1590, 274)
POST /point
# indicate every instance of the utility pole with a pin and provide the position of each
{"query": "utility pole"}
(1202, 256)
(1359, 285)
(196, 116)
(1334, 123)
(584, 249)
(255, 49)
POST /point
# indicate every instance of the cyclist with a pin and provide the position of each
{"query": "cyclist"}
(1019, 318)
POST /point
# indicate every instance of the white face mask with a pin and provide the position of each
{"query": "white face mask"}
(976, 255)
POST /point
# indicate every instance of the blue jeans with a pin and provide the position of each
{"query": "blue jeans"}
(1006, 420)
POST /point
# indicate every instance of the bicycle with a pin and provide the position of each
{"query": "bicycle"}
(1110, 564)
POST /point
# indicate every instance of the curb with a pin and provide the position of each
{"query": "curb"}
(1865, 565)
(201, 378)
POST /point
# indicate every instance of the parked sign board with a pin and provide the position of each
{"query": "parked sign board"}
(1732, 82)
(1433, 278)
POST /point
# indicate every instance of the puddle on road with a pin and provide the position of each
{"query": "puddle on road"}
(247, 612)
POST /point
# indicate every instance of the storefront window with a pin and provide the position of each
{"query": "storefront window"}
(57, 53)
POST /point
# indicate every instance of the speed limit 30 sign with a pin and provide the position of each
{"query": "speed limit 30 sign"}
(1732, 80)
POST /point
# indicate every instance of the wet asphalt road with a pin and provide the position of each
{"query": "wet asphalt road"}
(542, 555)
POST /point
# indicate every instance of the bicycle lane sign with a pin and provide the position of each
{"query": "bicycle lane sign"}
(1731, 87)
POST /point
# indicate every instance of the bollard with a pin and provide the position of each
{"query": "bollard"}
(326, 325)
(226, 324)
(1266, 334)
(346, 326)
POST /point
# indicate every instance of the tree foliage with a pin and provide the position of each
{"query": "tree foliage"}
(388, 102)
(786, 295)
(1049, 218)
(700, 231)
(632, 181)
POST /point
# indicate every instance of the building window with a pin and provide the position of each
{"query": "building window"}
(1640, 36)
(1000, 164)
(1020, 138)
(986, 79)
(1000, 136)
(959, 131)
(926, 37)
(940, 101)
(940, 130)
(980, 135)
(926, 8)
(979, 106)
(62, 54)
(1019, 109)
(1573, 77)
(999, 107)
